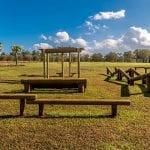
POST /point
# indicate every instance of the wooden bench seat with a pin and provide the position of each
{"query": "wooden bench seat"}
(112, 103)
(30, 84)
(21, 97)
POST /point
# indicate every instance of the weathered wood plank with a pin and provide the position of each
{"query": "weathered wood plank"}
(140, 77)
(148, 83)
(77, 80)
(62, 50)
(22, 106)
(123, 73)
(108, 71)
(113, 103)
(81, 102)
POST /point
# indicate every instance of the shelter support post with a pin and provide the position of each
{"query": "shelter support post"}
(69, 64)
(47, 66)
(44, 64)
(78, 64)
(62, 62)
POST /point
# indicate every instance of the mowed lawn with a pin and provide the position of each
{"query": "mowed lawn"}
(75, 127)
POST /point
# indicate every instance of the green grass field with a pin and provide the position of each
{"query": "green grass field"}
(75, 127)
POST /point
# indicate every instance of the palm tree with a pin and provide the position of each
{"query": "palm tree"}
(15, 50)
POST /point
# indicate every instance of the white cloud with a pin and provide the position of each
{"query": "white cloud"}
(43, 37)
(62, 37)
(65, 39)
(135, 37)
(80, 42)
(88, 24)
(50, 38)
(109, 15)
(41, 46)
(108, 43)
(91, 27)
(105, 27)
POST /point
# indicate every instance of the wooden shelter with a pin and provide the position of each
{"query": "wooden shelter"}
(62, 50)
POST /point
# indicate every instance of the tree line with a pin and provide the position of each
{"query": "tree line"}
(19, 54)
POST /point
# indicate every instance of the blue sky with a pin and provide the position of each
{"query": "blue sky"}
(96, 25)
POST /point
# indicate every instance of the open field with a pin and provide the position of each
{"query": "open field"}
(75, 127)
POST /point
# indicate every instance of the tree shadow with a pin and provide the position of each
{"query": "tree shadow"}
(144, 90)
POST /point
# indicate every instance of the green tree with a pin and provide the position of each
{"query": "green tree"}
(142, 55)
(128, 56)
(16, 50)
(1, 47)
(97, 57)
(36, 56)
(26, 56)
(85, 58)
(120, 57)
(111, 57)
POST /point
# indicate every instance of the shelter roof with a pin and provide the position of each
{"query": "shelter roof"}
(62, 50)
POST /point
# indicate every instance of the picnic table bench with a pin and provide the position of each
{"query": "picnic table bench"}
(113, 103)
(21, 97)
(31, 84)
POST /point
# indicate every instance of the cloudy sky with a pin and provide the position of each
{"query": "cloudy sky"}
(97, 25)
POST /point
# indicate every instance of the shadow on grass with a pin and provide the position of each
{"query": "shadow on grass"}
(104, 75)
(57, 117)
(144, 90)
(10, 81)
(34, 75)
(136, 94)
(124, 88)
(11, 65)
(31, 75)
